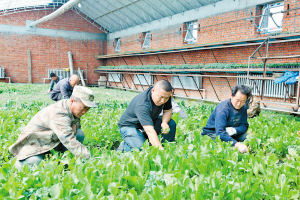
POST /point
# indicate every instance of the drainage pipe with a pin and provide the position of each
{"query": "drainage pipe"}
(64, 8)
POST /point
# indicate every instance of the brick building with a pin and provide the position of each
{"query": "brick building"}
(153, 33)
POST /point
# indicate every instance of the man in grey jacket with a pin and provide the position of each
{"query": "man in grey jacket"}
(64, 88)
(55, 127)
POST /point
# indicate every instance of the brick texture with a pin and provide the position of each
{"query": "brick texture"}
(230, 26)
(48, 52)
(51, 52)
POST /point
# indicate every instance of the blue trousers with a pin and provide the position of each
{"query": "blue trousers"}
(135, 138)
(32, 160)
(239, 138)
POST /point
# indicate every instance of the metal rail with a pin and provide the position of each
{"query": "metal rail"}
(265, 104)
(266, 43)
(220, 45)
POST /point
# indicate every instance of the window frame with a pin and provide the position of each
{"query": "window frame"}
(146, 40)
(115, 77)
(264, 22)
(187, 82)
(142, 79)
(191, 38)
(117, 45)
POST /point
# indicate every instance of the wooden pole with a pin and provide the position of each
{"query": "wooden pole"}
(81, 77)
(29, 66)
(70, 62)
(86, 74)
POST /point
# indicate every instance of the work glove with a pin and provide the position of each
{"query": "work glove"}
(230, 131)
(241, 147)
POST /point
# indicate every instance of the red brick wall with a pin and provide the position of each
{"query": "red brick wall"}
(229, 26)
(225, 55)
(69, 21)
(169, 37)
(48, 52)
(291, 20)
(224, 27)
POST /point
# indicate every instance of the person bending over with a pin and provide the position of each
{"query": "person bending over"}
(141, 120)
(229, 119)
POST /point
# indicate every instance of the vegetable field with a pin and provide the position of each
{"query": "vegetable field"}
(192, 168)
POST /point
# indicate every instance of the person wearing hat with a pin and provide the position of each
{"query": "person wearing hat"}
(64, 88)
(55, 127)
(54, 80)
(229, 119)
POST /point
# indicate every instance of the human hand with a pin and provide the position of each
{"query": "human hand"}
(49, 91)
(241, 147)
(230, 131)
(165, 129)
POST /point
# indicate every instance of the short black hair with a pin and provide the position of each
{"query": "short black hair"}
(52, 75)
(165, 85)
(243, 89)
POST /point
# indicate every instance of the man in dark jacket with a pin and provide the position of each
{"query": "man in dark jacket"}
(64, 88)
(229, 119)
(141, 120)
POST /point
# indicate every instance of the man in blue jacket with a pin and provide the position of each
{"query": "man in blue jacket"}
(64, 88)
(229, 119)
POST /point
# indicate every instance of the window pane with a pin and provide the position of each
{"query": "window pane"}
(145, 79)
(195, 31)
(267, 23)
(277, 18)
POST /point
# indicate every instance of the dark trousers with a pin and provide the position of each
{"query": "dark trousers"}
(58, 96)
(239, 138)
(55, 96)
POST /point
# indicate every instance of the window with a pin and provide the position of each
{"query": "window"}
(118, 45)
(145, 79)
(271, 20)
(191, 33)
(117, 78)
(146, 40)
(187, 82)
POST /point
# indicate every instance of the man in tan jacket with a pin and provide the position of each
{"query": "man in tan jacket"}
(55, 127)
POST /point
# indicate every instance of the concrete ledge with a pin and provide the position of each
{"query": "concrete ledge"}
(28, 27)
(72, 35)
